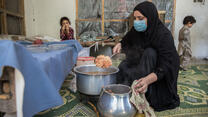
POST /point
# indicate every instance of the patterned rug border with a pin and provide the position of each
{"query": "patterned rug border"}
(76, 109)
(183, 112)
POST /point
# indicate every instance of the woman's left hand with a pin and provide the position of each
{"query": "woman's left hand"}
(143, 83)
(141, 86)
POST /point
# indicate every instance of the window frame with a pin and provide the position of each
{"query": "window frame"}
(20, 15)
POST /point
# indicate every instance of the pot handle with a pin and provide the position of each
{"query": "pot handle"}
(102, 90)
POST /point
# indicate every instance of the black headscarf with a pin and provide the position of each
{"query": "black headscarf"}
(149, 10)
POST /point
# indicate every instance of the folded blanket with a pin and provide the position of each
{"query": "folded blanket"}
(140, 102)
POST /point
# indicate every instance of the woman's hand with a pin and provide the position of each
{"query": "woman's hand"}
(141, 86)
(143, 83)
(117, 48)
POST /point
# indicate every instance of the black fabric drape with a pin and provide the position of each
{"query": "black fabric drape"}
(164, 91)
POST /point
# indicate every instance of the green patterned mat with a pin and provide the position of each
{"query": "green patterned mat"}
(193, 92)
(192, 88)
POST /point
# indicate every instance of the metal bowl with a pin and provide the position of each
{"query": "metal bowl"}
(57, 46)
(37, 48)
(91, 84)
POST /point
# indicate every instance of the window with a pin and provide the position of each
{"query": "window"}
(167, 6)
(12, 17)
(103, 18)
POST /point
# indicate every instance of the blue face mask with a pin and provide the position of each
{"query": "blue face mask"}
(140, 25)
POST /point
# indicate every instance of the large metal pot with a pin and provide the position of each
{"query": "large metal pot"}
(114, 101)
(92, 84)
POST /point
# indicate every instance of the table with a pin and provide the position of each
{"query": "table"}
(42, 73)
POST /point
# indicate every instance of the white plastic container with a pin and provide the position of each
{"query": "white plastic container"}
(87, 60)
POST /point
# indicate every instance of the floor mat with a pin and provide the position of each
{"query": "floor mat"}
(193, 92)
(72, 107)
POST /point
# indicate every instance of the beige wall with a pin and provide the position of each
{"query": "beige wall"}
(199, 35)
(42, 16)
(30, 17)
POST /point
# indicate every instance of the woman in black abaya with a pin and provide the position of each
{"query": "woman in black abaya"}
(151, 58)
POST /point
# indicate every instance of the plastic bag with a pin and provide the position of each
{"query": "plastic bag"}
(73, 83)
(86, 50)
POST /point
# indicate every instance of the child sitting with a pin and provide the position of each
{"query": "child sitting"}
(66, 32)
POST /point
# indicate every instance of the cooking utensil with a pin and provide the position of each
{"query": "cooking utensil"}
(114, 101)
(113, 55)
(92, 84)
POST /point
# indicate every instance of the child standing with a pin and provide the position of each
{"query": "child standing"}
(184, 46)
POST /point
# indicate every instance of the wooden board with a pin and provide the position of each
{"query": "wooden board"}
(8, 101)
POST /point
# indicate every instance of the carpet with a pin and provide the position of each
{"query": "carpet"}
(192, 89)
(193, 92)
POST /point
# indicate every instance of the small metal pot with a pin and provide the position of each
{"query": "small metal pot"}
(92, 84)
(114, 101)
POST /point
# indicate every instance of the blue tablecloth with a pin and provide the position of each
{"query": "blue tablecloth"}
(43, 73)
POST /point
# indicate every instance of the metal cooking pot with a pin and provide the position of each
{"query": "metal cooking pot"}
(92, 84)
(114, 101)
